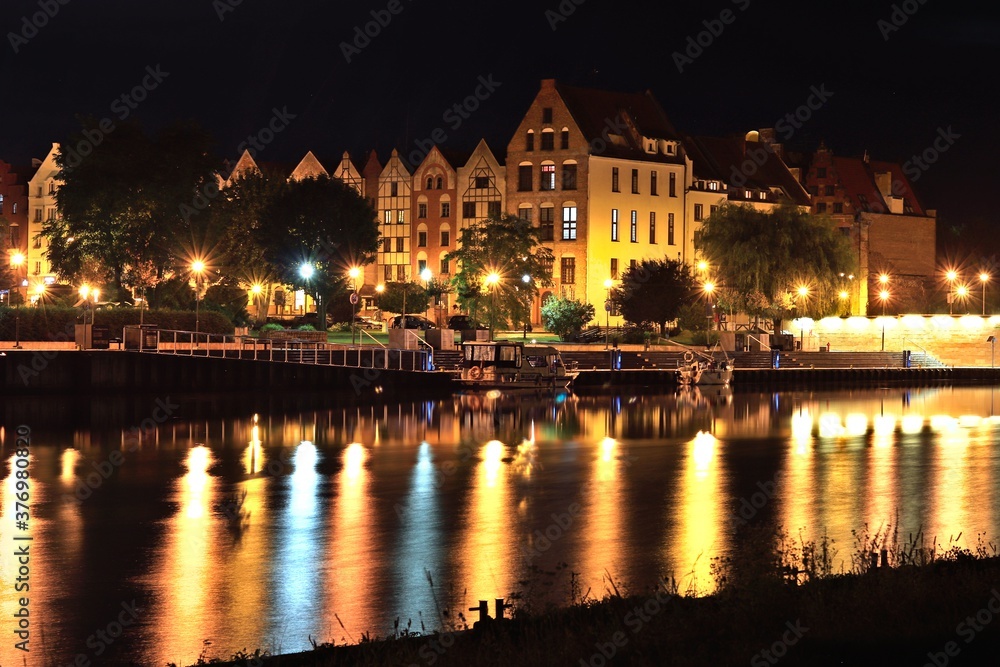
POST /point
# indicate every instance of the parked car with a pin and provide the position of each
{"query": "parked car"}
(413, 322)
(464, 322)
(363, 322)
(313, 319)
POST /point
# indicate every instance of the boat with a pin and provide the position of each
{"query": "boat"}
(512, 365)
(704, 370)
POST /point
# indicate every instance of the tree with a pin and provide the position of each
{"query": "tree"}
(763, 258)
(566, 317)
(323, 224)
(417, 298)
(120, 221)
(653, 291)
(509, 249)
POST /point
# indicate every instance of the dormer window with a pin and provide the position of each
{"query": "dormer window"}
(671, 149)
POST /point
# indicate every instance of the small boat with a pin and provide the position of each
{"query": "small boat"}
(512, 365)
(704, 371)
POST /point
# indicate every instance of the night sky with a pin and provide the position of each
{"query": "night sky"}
(894, 86)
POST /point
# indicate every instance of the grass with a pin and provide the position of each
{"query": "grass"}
(775, 592)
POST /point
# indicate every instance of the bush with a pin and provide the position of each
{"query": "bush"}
(306, 327)
(566, 317)
(50, 323)
(342, 327)
(272, 326)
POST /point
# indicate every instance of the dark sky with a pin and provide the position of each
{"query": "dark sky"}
(890, 96)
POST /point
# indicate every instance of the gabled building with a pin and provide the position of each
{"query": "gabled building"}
(874, 204)
(602, 175)
(349, 174)
(482, 183)
(42, 206)
(393, 206)
(308, 167)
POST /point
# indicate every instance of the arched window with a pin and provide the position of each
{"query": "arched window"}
(421, 235)
(529, 142)
(548, 139)
(430, 182)
(440, 183)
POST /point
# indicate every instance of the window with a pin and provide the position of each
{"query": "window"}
(529, 142)
(430, 182)
(652, 183)
(421, 210)
(524, 212)
(614, 224)
(828, 190)
(38, 268)
(38, 215)
(564, 140)
(634, 227)
(440, 183)
(569, 177)
(699, 214)
(712, 209)
(444, 266)
(38, 242)
(614, 268)
(762, 195)
(482, 182)
(747, 194)
(569, 223)
(387, 216)
(568, 271)
(421, 239)
(670, 229)
(635, 181)
(713, 186)
(548, 140)
(631, 264)
(547, 115)
(548, 177)
(469, 209)
(387, 273)
(446, 209)
(838, 207)
(52, 187)
(445, 238)
(394, 189)
(52, 213)
(524, 178)
(421, 265)
(614, 179)
(493, 209)
(546, 223)
(399, 244)
(652, 226)
(401, 216)
(401, 273)
(673, 184)
(13, 208)
(821, 207)
(820, 172)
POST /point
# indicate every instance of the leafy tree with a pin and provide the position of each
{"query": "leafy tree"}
(323, 223)
(417, 298)
(763, 257)
(120, 220)
(229, 298)
(653, 291)
(566, 317)
(509, 248)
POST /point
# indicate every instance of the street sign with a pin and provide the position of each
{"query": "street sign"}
(607, 306)
(354, 298)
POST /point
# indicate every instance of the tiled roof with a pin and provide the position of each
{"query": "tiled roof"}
(723, 159)
(862, 191)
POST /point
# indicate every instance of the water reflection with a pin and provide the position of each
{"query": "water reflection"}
(348, 510)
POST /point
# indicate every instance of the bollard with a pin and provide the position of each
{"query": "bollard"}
(885, 558)
(500, 607)
(874, 561)
(483, 609)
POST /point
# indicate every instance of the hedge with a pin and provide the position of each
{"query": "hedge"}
(48, 323)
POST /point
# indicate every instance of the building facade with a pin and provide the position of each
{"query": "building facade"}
(42, 206)
(14, 229)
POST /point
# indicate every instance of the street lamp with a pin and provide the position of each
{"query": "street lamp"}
(257, 289)
(526, 279)
(608, 284)
(492, 278)
(962, 292)
(709, 289)
(16, 260)
(983, 278)
(354, 272)
(802, 294)
(952, 276)
(198, 269)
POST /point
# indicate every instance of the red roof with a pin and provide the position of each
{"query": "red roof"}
(862, 191)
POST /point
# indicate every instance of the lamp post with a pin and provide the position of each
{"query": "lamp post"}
(16, 260)
(491, 281)
(257, 289)
(984, 278)
(962, 292)
(353, 273)
(608, 284)
(709, 289)
(802, 293)
(198, 269)
(952, 276)
(883, 296)
(526, 279)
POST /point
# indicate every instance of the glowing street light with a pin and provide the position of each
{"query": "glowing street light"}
(492, 279)
(883, 296)
(802, 294)
(353, 273)
(951, 275)
(962, 292)
(984, 278)
(198, 269)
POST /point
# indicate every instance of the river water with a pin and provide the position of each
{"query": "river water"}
(164, 529)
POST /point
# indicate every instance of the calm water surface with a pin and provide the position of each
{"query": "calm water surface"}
(354, 517)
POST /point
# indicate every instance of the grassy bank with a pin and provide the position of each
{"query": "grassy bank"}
(777, 602)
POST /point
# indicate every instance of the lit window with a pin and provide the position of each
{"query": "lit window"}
(614, 224)
(548, 177)
(569, 223)
(634, 227)
(568, 271)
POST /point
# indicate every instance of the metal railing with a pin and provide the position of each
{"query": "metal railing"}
(314, 353)
(759, 341)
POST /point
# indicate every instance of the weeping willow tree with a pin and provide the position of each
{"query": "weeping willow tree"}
(776, 263)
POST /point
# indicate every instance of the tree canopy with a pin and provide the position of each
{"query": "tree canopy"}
(120, 220)
(566, 317)
(653, 291)
(770, 261)
(508, 248)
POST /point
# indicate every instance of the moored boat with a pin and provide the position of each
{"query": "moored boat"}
(512, 365)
